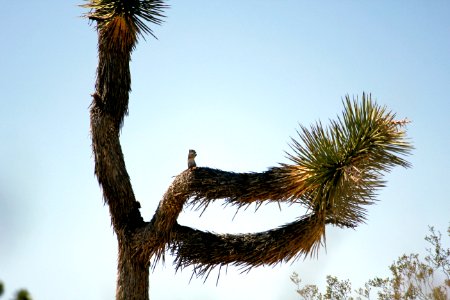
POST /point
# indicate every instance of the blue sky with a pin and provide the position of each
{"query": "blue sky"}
(232, 80)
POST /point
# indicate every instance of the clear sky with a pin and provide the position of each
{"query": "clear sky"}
(232, 80)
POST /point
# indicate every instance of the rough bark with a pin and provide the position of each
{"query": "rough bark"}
(108, 109)
(133, 274)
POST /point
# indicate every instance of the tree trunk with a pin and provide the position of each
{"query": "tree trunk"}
(133, 274)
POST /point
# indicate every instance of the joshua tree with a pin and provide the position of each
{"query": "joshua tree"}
(334, 172)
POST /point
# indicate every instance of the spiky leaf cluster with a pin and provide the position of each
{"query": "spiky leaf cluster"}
(135, 12)
(342, 165)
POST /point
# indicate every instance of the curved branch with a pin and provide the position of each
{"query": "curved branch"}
(201, 186)
(205, 250)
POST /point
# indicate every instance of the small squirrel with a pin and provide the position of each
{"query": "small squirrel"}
(191, 159)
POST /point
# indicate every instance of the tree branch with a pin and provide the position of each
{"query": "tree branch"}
(200, 186)
(335, 175)
(111, 171)
(205, 250)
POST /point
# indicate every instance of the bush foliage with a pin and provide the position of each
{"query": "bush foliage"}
(411, 278)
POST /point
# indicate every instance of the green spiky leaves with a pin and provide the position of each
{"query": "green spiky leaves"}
(133, 13)
(342, 165)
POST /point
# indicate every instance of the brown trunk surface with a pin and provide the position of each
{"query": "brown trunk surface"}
(133, 275)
